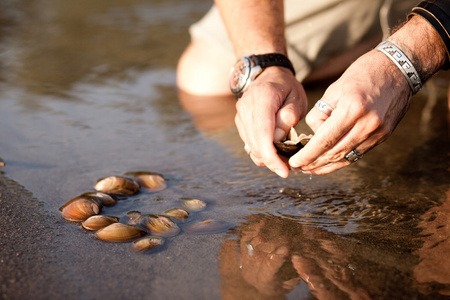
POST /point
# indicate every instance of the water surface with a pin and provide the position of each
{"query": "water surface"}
(87, 90)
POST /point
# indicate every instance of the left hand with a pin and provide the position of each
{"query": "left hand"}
(370, 99)
(274, 103)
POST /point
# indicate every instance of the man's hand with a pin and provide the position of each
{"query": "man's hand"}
(369, 99)
(274, 103)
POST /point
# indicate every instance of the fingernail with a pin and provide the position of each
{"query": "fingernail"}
(279, 135)
(280, 173)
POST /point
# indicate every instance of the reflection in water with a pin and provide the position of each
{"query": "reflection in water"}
(360, 243)
(432, 273)
(272, 254)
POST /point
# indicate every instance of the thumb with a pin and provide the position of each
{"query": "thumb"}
(288, 116)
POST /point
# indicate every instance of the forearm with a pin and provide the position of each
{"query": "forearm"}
(422, 45)
(254, 26)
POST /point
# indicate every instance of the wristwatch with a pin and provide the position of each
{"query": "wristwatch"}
(248, 68)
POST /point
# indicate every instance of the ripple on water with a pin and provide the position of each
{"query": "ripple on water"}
(344, 211)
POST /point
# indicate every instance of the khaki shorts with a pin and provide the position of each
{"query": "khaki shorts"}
(316, 30)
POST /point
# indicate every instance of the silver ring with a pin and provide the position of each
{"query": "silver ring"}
(247, 149)
(324, 107)
(353, 156)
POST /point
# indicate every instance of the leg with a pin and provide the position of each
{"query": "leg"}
(203, 70)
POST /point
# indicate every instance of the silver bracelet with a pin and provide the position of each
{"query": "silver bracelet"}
(403, 63)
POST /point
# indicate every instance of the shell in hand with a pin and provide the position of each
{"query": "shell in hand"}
(293, 143)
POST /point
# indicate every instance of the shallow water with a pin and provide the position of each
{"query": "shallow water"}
(87, 90)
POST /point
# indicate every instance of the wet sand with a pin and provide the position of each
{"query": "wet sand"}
(98, 98)
(26, 246)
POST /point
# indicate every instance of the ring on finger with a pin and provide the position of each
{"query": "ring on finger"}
(324, 107)
(353, 156)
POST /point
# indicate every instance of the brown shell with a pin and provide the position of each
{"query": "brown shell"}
(98, 221)
(147, 243)
(149, 182)
(132, 217)
(193, 204)
(80, 208)
(120, 232)
(207, 227)
(159, 225)
(2, 163)
(117, 185)
(292, 144)
(103, 198)
(177, 213)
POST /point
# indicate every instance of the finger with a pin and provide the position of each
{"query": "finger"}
(268, 155)
(240, 128)
(326, 169)
(256, 157)
(272, 263)
(291, 283)
(263, 139)
(315, 118)
(247, 148)
(246, 128)
(326, 137)
(357, 139)
(321, 111)
(293, 109)
(256, 161)
(331, 167)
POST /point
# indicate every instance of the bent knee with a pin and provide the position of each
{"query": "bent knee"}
(203, 71)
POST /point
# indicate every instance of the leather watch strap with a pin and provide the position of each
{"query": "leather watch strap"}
(273, 59)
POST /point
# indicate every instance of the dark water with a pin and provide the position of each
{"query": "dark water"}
(87, 90)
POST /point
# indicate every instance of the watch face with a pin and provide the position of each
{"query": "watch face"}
(240, 74)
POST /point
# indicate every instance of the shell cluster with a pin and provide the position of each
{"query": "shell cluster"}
(148, 231)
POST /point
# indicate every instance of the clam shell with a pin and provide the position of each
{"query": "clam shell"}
(159, 225)
(147, 243)
(103, 198)
(80, 208)
(120, 232)
(292, 144)
(117, 185)
(132, 217)
(149, 182)
(193, 204)
(177, 213)
(207, 227)
(98, 221)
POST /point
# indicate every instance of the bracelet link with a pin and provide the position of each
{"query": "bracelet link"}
(403, 63)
